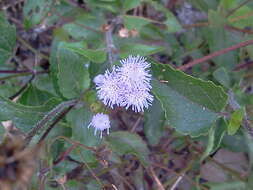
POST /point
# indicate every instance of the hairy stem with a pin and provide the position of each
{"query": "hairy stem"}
(48, 118)
(54, 123)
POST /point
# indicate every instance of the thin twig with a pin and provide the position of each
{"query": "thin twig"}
(14, 71)
(174, 186)
(238, 7)
(215, 54)
(21, 74)
(158, 182)
(178, 175)
(22, 88)
(136, 124)
(27, 45)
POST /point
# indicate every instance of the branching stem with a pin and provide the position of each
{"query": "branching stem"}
(215, 54)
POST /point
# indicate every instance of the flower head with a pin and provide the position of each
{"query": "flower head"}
(100, 122)
(138, 98)
(127, 85)
(134, 70)
(108, 88)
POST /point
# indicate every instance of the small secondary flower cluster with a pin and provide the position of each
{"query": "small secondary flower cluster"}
(127, 86)
(100, 122)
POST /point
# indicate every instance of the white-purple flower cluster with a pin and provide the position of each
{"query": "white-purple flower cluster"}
(127, 85)
(100, 122)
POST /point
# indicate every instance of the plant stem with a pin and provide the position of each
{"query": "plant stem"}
(54, 123)
(22, 88)
(49, 117)
(110, 48)
(238, 7)
(32, 49)
(215, 54)
(13, 71)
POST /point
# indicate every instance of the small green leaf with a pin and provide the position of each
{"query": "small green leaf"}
(191, 105)
(128, 143)
(172, 23)
(7, 39)
(130, 4)
(36, 10)
(34, 97)
(217, 39)
(96, 56)
(135, 22)
(215, 137)
(73, 75)
(235, 121)
(138, 49)
(221, 75)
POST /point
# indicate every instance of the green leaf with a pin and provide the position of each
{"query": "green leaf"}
(235, 121)
(191, 105)
(87, 27)
(122, 142)
(172, 23)
(2, 132)
(7, 39)
(218, 39)
(34, 97)
(73, 75)
(96, 56)
(23, 117)
(221, 75)
(135, 22)
(36, 10)
(79, 120)
(231, 185)
(216, 19)
(138, 49)
(130, 4)
(215, 137)
(154, 123)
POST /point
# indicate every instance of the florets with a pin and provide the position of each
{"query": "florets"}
(100, 122)
(127, 85)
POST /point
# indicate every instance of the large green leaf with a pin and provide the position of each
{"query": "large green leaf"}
(73, 75)
(122, 142)
(96, 56)
(154, 123)
(23, 117)
(7, 39)
(138, 49)
(130, 4)
(135, 22)
(191, 105)
(79, 120)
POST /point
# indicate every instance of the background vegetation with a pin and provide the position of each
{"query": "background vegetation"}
(196, 135)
